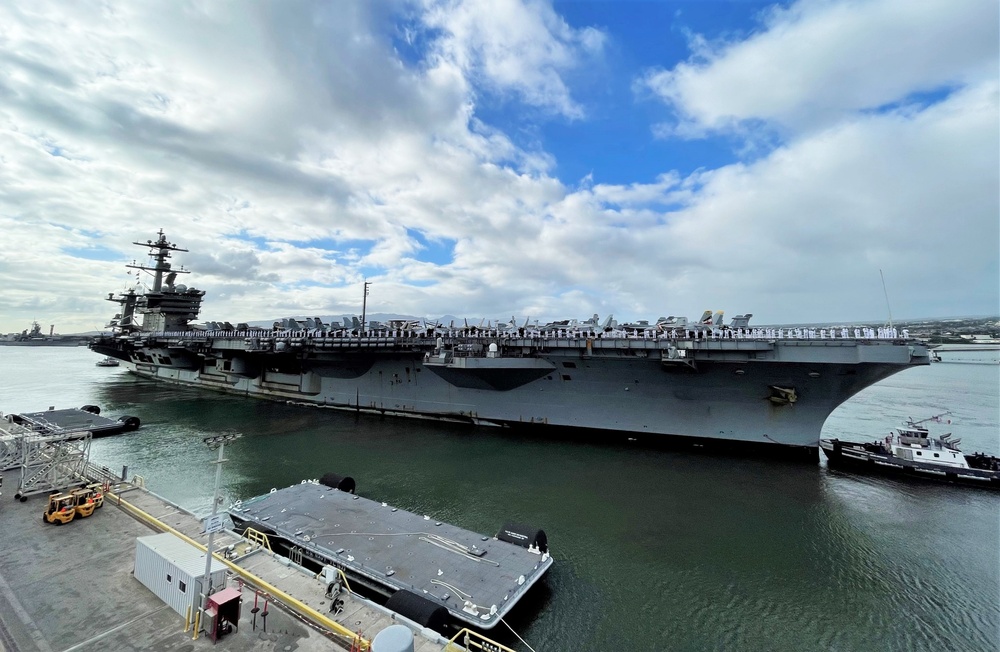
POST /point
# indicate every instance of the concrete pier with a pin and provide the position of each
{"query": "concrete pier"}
(70, 588)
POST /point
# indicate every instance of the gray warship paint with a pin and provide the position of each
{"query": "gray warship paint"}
(623, 385)
(700, 381)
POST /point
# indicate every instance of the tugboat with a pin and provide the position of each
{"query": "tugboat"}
(107, 362)
(912, 451)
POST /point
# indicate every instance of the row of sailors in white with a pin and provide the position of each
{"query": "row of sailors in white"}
(803, 333)
(885, 333)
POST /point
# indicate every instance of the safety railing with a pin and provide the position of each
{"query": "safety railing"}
(471, 641)
(258, 537)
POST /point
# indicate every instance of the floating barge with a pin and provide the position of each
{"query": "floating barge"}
(428, 569)
(87, 417)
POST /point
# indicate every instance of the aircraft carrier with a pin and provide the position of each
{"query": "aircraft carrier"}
(700, 383)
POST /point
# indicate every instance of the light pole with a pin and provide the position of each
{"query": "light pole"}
(364, 309)
(219, 441)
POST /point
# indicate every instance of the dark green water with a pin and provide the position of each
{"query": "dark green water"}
(654, 550)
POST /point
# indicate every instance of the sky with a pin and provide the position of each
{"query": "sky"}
(492, 158)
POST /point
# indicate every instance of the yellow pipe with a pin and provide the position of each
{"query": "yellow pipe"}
(299, 606)
(197, 625)
(187, 619)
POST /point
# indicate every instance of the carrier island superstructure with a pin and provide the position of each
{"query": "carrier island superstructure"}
(689, 383)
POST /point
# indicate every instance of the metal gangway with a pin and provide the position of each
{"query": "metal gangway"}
(50, 460)
(11, 440)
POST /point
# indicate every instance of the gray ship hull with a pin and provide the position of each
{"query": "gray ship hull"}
(53, 342)
(774, 394)
(698, 382)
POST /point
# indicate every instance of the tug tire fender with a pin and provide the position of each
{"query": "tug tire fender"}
(129, 422)
(524, 536)
(343, 482)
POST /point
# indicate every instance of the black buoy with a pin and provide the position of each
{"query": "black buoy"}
(524, 536)
(334, 481)
(93, 409)
(418, 609)
(130, 423)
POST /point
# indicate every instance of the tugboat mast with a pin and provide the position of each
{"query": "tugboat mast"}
(162, 250)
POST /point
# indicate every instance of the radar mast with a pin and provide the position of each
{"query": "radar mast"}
(159, 251)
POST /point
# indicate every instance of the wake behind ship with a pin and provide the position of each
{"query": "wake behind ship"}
(700, 383)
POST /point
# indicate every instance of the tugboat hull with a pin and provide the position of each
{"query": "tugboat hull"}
(870, 458)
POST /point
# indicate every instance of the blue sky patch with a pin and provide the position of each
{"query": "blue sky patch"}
(438, 251)
(259, 242)
(916, 101)
(95, 252)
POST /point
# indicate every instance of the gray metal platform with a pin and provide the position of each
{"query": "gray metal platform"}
(74, 419)
(476, 578)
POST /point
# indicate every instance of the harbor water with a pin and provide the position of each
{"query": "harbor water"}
(654, 549)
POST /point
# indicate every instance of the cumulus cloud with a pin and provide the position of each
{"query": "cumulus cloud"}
(513, 46)
(296, 151)
(278, 126)
(816, 61)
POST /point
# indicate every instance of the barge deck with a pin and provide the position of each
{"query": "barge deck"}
(476, 578)
(75, 419)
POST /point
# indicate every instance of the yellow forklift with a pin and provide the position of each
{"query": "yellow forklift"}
(61, 509)
(84, 501)
(97, 493)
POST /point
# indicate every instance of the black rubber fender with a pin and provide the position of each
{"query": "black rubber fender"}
(524, 536)
(93, 409)
(418, 609)
(343, 482)
(130, 423)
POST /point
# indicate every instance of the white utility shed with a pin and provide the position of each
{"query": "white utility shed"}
(173, 569)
